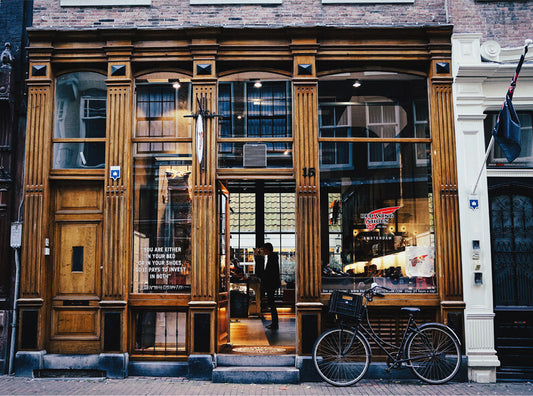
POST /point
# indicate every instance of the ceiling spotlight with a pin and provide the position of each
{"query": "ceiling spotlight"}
(258, 84)
(356, 84)
(176, 84)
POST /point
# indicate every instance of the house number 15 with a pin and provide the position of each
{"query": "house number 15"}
(311, 172)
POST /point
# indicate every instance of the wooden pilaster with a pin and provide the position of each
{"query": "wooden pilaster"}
(446, 205)
(306, 169)
(116, 256)
(204, 238)
(34, 268)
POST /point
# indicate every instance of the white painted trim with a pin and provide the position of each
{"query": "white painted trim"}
(366, 1)
(104, 3)
(235, 2)
(510, 172)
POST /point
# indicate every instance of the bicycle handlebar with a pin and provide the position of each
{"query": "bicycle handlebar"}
(374, 291)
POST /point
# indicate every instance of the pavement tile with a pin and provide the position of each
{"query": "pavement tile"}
(10, 385)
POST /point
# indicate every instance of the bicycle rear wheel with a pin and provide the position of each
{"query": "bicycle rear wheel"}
(434, 353)
(338, 362)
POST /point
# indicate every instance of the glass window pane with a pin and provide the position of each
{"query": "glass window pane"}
(375, 109)
(380, 222)
(160, 332)
(161, 110)
(255, 111)
(81, 155)
(497, 157)
(80, 105)
(162, 219)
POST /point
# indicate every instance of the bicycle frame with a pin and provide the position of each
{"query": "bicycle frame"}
(394, 352)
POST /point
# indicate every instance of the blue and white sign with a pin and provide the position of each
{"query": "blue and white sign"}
(114, 172)
(473, 202)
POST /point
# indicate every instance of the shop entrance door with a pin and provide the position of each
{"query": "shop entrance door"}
(512, 265)
(223, 339)
(77, 260)
(259, 212)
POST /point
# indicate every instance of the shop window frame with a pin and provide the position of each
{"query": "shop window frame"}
(162, 140)
(334, 127)
(79, 165)
(152, 352)
(277, 146)
(382, 144)
(398, 140)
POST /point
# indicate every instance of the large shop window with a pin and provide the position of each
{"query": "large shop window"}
(80, 121)
(162, 190)
(497, 157)
(255, 127)
(375, 183)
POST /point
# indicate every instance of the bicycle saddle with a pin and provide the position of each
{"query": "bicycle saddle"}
(411, 310)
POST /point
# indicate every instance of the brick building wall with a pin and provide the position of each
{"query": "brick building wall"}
(507, 22)
(171, 14)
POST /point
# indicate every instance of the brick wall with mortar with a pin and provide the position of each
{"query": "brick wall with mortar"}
(507, 22)
(174, 13)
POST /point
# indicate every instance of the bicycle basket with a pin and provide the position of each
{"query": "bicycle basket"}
(346, 304)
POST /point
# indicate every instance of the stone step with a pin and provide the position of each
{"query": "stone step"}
(256, 375)
(255, 360)
(63, 362)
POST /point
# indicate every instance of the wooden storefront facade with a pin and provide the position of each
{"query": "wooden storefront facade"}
(85, 214)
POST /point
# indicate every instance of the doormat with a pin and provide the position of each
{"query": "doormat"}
(259, 350)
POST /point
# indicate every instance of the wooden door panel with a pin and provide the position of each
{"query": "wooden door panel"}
(79, 199)
(75, 322)
(78, 266)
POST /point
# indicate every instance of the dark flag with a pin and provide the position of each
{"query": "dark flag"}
(507, 129)
(506, 132)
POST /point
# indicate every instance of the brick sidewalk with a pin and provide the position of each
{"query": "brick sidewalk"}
(10, 385)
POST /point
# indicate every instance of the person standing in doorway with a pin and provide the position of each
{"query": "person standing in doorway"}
(271, 282)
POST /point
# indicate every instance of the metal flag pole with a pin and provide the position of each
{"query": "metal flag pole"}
(509, 95)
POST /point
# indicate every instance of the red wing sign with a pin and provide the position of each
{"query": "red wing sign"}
(379, 216)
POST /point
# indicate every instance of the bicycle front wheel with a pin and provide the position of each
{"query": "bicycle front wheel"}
(340, 361)
(434, 353)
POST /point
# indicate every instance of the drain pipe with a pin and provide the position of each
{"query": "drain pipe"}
(15, 298)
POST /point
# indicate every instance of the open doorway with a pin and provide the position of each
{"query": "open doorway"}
(261, 214)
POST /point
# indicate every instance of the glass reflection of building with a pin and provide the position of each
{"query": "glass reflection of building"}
(376, 183)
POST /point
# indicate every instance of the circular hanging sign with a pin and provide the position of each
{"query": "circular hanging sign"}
(199, 138)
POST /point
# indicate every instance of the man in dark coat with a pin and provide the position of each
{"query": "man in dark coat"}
(271, 282)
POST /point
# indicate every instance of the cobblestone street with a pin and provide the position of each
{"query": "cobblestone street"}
(179, 386)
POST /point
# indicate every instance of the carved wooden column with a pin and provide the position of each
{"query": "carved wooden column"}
(35, 266)
(116, 255)
(308, 306)
(446, 206)
(204, 238)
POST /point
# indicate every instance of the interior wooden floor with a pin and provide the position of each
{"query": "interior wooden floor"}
(252, 334)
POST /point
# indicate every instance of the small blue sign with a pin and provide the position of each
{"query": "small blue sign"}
(474, 203)
(114, 172)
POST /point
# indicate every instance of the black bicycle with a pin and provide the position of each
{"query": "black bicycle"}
(342, 355)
